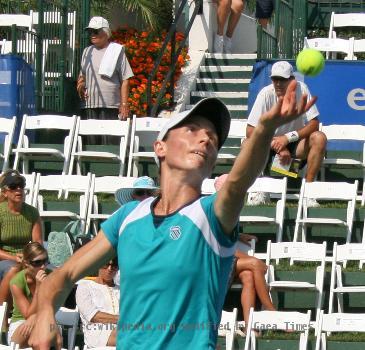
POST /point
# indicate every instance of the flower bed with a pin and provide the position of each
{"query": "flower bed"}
(142, 48)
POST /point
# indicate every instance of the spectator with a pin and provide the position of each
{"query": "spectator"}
(19, 224)
(103, 81)
(24, 289)
(143, 187)
(98, 304)
(175, 252)
(300, 138)
(250, 271)
(264, 10)
(232, 10)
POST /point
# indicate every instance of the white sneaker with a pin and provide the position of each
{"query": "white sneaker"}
(312, 203)
(218, 43)
(227, 45)
(258, 198)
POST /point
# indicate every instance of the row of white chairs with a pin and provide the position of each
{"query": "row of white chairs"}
(138, 135)
(290, 321)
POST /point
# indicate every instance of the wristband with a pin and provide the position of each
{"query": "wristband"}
(124, 103)
(292, 136)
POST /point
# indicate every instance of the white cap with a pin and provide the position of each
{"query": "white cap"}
(282, 69)
(98, 23)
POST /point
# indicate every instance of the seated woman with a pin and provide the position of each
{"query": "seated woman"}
(24, 287)
(19, 224)
(98, 303)
(250, 271)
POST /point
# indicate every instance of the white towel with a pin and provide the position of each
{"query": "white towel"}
(109, 60)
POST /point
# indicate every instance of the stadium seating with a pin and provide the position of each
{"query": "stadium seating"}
(227, 327)
(7, 129)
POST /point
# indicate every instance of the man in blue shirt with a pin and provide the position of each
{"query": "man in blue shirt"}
(174, 251)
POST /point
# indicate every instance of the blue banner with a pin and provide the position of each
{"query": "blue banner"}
(340, 89)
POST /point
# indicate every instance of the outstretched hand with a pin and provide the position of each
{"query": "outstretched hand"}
(287, 108)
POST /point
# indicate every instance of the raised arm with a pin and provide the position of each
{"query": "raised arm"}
(253, 156)
(58, 284)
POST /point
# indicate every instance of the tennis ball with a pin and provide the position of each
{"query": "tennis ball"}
(310, 62)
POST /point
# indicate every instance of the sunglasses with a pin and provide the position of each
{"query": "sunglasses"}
(94, 31)
(14, 187)
(111, 265)
(39, 263)
(140, 193)
(279, 79)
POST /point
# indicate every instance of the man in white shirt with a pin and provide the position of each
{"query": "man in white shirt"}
(300, 138)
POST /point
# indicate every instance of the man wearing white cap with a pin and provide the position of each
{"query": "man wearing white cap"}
(105, 70)
(300, 138)
(175, 251)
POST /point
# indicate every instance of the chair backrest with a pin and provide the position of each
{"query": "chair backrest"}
(359, 45)
(7, 127)
(237, 129)
(332, 45)
(278, 320)
(3, 309)
(344, 132)
(70, 318)
(348, 251)
(345, 20)
(208, 186)
(337, 322)
(107, 127)
(298, 251)
(324, 190)
(270, 185)
(7, 20)
(109, 184)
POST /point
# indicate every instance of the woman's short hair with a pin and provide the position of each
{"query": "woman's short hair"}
(32, 250)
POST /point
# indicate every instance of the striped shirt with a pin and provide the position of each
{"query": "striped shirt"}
(16, 229)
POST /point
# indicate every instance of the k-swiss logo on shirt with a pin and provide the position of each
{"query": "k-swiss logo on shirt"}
(175, 232)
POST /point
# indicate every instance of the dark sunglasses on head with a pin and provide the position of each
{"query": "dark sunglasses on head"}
(14, 187)
(142, 192)
(94, 31)
(39, 263)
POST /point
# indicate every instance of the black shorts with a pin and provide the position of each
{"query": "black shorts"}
(264, 8)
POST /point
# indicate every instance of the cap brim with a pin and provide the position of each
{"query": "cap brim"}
(125, 194)
(211, 108)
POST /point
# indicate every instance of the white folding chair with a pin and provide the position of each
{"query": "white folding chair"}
(7, 20)
(24, 150)
(342, 20)
(276, 188)
(332, 45)
(30, 182)
(338, 322)
(232, 146)
(330, 191)
(144, 132)
(63, 185)
(95, 127)
(278, 320)
(345, 133)
(3, 316)
(7, 127)
(227, 327)
(342, 254)
(359, 45)
(68, 318)
(100, 185)
(297, 251)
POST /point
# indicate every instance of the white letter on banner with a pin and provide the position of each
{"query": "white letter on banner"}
(356, 95)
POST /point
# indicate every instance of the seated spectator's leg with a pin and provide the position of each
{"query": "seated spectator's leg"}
(236, 10)
(112, 341)
(248, 294)
(313, 149)
(15, 334)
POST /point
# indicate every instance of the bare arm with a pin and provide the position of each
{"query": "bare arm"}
(58, 284)
(37, 232)
(104, 317)
(253, 156)
(124, 93)
(7, 256)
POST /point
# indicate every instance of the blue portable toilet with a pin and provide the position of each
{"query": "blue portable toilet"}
(17, 93)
